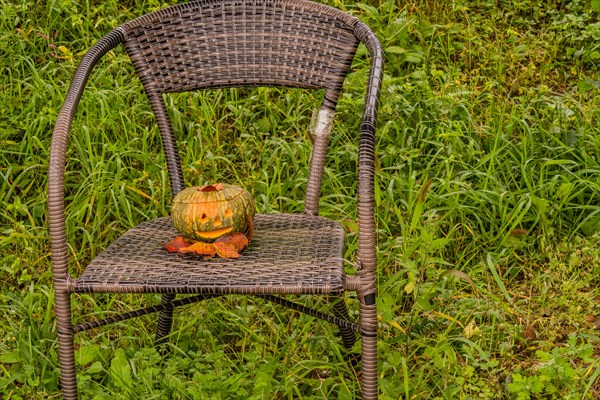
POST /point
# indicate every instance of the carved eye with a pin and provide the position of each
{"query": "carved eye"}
(228, 212)
(204, 219)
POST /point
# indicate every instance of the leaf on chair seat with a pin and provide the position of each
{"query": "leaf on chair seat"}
(227, 246)
(175, 245)
(238, 240)
(201, 249)
(225, 250)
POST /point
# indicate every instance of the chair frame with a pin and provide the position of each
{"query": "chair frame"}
(363, 282)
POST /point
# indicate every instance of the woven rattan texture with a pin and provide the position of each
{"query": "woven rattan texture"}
(289, 253)
(212, 43)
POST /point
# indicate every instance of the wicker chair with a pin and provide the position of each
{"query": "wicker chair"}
(216, 44)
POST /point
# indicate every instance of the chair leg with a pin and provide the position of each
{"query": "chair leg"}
(66, 348)
(368, 322)
(165, 321)
(340, 310)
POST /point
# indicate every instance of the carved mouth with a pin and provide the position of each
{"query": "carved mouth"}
(214, 233)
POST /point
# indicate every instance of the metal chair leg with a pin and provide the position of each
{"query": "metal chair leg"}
(165, 321)
(368, 322)
(340, 310)
(66, 348)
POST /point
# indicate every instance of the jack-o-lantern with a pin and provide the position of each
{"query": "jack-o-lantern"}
(206, 213)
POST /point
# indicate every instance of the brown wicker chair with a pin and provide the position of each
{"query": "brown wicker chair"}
(216, 44)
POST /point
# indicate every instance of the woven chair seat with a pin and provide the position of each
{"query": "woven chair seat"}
(289, 253)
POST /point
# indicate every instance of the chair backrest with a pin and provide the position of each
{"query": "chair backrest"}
(221, 43)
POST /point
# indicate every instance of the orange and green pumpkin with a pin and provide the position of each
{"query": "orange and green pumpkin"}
(206, 213)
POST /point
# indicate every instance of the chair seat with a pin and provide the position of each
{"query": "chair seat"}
(289, 253)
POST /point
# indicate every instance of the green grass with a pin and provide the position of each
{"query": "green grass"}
(488, 206)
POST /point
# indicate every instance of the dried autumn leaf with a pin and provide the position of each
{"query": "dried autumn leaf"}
(590, 318)
(237, 240)
(529, 332)
(593, 320)
(423, 191)
(175, 245)
(463, 276)
(201, 249)
(226, 250)
(227, 246)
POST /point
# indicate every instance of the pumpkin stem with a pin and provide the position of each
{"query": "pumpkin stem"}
(211, 188)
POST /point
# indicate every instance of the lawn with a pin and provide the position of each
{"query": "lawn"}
(487, 190)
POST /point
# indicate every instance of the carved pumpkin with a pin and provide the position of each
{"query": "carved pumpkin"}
(206, 213)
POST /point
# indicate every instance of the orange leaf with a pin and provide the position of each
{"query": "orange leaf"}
(529, 332)
(590, 318)
(175, 245)
(202, 249)
(226, 246)
(237, 240)
(226, 250)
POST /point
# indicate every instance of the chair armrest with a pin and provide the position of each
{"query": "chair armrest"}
(367, 259)
(58, 149)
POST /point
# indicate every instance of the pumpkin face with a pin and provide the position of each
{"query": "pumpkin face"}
(209, 212)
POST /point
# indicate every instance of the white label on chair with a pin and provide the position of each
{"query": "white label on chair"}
(321, 122)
